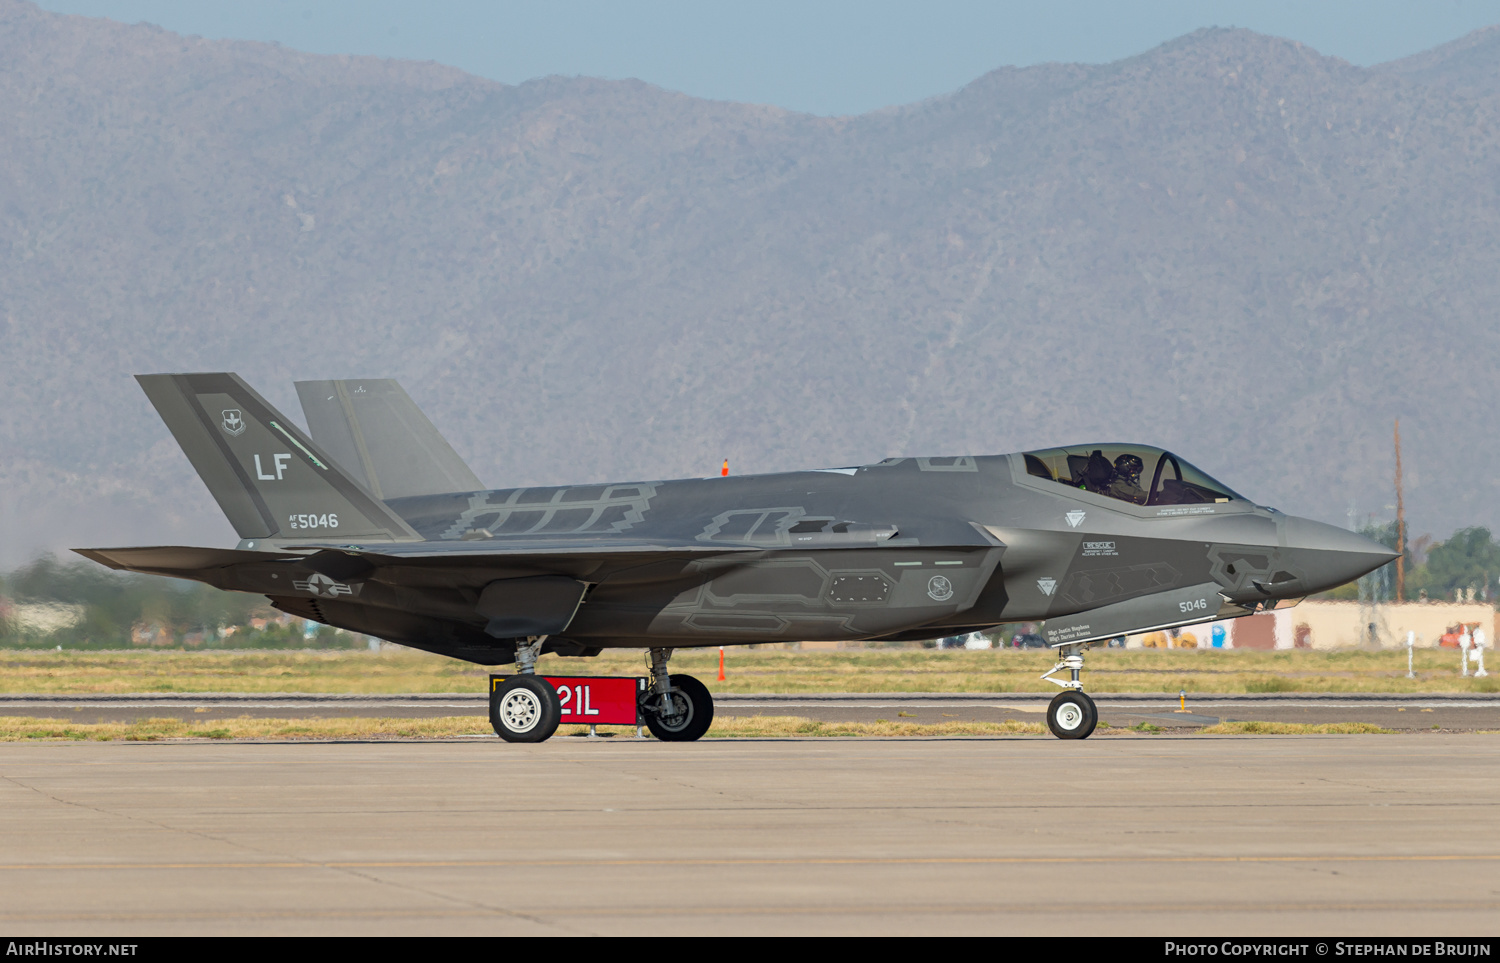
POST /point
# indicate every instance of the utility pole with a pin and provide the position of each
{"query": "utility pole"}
(1400, 524)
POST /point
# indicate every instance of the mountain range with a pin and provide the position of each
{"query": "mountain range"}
(1230, 246)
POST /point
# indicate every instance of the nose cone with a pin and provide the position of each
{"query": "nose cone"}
(1328, 556)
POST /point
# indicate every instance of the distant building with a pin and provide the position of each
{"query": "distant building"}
(150, 633)
(45, 617)
(1332, 625)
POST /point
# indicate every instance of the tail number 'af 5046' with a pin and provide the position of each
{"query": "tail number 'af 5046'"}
(330, 520)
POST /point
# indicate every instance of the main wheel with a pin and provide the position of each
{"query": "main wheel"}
(684, 714)
(1072, 715)
(525, 709)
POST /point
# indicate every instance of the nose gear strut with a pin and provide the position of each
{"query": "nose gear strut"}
(1070, 657)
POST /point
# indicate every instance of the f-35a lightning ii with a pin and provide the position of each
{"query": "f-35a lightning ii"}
(375, 525)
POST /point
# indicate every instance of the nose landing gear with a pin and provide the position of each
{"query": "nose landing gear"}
(1072, 715)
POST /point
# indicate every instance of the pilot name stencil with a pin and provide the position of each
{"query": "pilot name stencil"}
(1068, 633)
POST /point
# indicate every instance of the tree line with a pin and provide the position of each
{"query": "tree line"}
(1469, 559)
(80, 604)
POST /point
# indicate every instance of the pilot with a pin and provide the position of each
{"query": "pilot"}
(1125, 483)
(1097, 473)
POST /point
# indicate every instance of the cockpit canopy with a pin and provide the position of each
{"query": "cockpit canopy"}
(1131, 473)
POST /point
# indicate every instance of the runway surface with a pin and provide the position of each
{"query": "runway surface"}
(1426, 711)
(1165, 835)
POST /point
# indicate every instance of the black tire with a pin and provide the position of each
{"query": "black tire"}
(525, 709)
(1072, 715)
(695, 705)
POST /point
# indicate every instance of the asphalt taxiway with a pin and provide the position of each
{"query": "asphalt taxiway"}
(1457, 712)
(1163, 834)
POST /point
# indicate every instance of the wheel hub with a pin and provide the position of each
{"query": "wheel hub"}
(674, 711)
(520, 710)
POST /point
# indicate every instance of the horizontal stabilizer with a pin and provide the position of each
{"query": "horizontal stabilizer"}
(178, 561)
(378, 435)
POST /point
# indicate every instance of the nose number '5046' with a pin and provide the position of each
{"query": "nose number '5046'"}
(1193, 606)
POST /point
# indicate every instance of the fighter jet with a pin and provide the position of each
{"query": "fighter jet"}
(370, 522)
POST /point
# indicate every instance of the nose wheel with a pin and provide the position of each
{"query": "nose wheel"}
(1072, 715)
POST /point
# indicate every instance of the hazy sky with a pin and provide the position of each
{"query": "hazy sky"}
(821, 57)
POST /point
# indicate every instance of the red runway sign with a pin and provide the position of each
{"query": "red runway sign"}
(594, 700)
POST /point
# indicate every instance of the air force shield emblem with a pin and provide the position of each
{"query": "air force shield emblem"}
(234, 422)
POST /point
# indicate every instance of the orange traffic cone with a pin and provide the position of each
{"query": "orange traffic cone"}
(721, 663)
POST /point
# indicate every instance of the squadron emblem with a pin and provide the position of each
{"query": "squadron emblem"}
(234, 422)
(939, 589)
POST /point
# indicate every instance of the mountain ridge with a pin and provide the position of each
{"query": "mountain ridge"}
(1230, 245)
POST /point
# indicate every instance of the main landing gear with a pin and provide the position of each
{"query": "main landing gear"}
(678, 708)
(1072, 715)
(526, 708)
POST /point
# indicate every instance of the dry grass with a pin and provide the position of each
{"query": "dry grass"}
(1202, 671)
(1294, 729)
(252, 671)
(19, 728)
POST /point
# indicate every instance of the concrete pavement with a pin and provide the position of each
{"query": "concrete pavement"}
(1164, 835)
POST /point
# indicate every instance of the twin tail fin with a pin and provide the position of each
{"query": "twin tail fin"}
(270, 479)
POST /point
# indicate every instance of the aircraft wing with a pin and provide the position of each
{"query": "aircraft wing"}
(245, 571)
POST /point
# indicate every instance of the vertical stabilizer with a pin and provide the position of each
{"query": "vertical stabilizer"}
(270, 479)
(378, 434)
